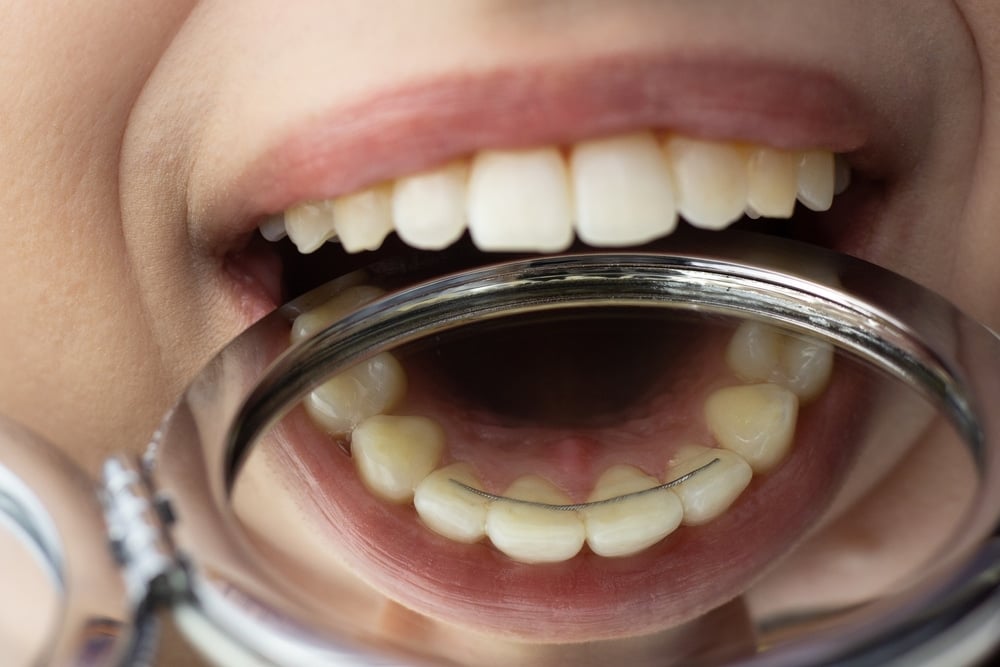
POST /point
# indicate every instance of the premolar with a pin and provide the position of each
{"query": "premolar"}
(755, 421)
(393, 455)
(450, 510)
(759, 352)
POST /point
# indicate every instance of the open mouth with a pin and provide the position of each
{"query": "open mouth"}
(597, 475)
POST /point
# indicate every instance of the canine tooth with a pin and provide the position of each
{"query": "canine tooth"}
(630, 525)
(816, 180)
(310, 225)
(520, 200)
(532, 534)
(450, 510)
(772, 182)
(429, 208)
(394, 454)
(370, 388)
(755, 421)
(362, 220)
(759, 352)
(709, 493)
(842, 175)
(346, 302)
(273, 228)
(622, 190)
(710, 181)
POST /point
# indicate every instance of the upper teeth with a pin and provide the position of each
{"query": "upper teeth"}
(615, 191)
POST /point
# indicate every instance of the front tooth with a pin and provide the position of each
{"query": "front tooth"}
(310, 225)
(772, 182)
(394, 454)
(532, 534)
(759, 352)
(755, 421)
(817, 180)
(335, 309)
(628, 526)
(373, 387)
(622, 191)
(519, 200)
(363, 220)
(710, 492)
(429, 208)
(450, 510)
(710, 181)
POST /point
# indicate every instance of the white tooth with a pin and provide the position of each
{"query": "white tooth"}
(531, 534)
(842, 175)
(772, 182)
(520, 200)
(622, 190)
(310, 225)
(628, 526)
(273, 228)
(363, 220)
(394, 454)
(710, 492)
(429, 208)
(450, 510)
(817, 180)
(710, 181)
(373, 387)
(756, 421)
(750, 213)
(761, 353)
(346, 302)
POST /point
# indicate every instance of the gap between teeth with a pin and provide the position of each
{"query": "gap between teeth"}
(399, 458)
(615, 191)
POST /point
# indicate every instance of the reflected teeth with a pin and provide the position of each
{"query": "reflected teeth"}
(450, 510)
(755, 421)
(393, 455)
(761, 353)
(709, 493)
(373, 387)
(614, 191)
(531, 534)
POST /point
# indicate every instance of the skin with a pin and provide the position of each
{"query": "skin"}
(122, 129)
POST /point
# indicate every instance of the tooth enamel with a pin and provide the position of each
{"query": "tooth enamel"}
(520, 200)
(532, 534)
(370, 388)
(273, 228)
(710, 492)
(755, 421)
(450, 510)
(817, 180)
(429, 208)
(394, 454)
(363, 220)
(772, 182)
(310, 225)
(710, 181)
(842, 175)
(628, 526)
(622, 191)
(346, 302)
(761, 353)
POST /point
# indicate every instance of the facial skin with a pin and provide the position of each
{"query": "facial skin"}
(127, 135)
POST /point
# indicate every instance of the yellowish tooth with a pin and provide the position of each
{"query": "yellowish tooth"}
(520, 201)
(363, 220)
(310, 225)
(450, 510)
(394, 454)
(772, 182)
(755, 421)
(759, 352)
(817, 180)
(335, 309)
(531, 534)
(622, 190)
(807, 365)
(712, 491)
(370, 388)
(628, 526)
(754, 351)
(428, 209)
(710, 181)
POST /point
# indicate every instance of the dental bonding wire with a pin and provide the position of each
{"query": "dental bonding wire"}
(581, 506)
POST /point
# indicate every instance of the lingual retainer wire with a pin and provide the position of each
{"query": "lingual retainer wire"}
(581, 506)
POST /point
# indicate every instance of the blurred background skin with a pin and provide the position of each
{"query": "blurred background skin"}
(113, 301)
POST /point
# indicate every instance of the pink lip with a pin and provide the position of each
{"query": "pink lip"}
(411, 128)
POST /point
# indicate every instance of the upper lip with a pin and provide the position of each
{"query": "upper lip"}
(407, 129)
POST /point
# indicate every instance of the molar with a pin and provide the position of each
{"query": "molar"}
(755, 421)
(370, 388)
(393, 455)
(711, 492)
(532, 534)
(759, 352)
